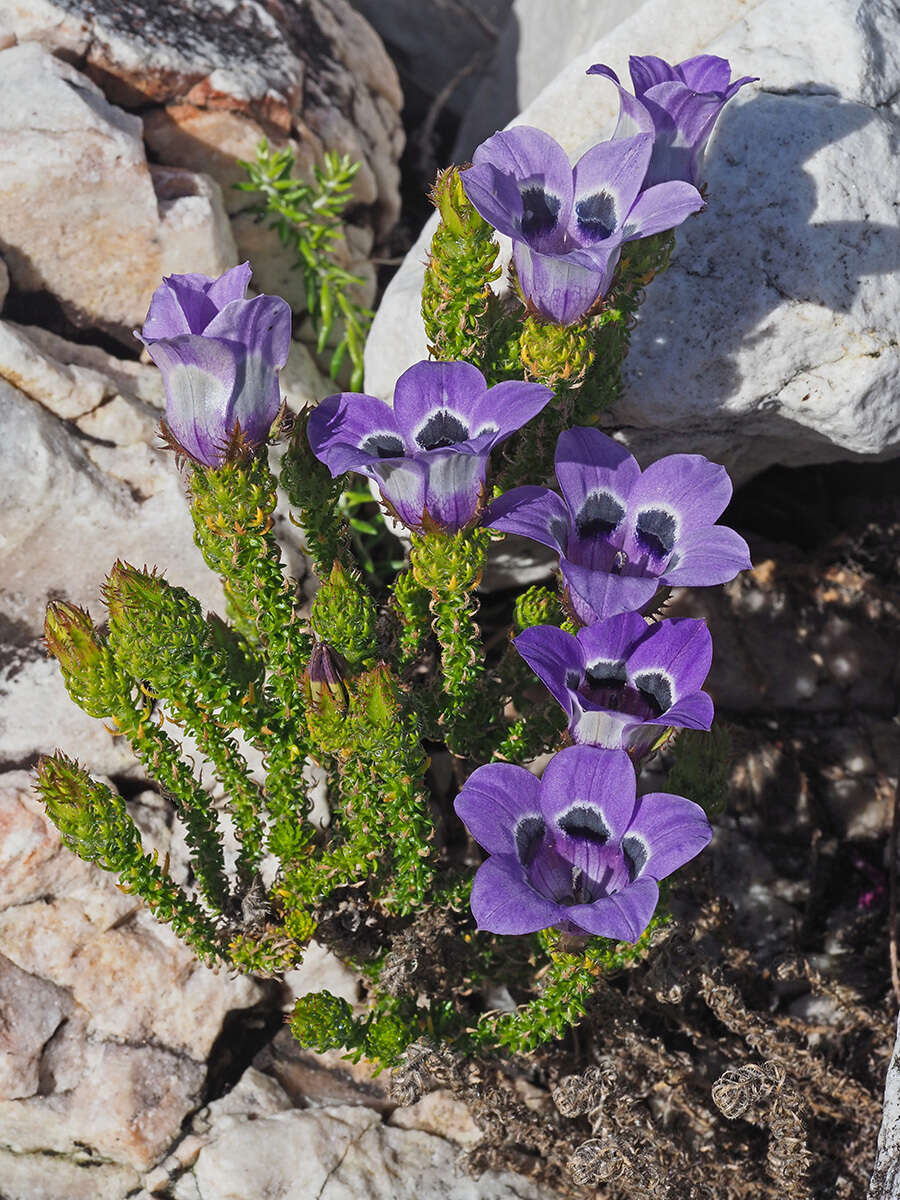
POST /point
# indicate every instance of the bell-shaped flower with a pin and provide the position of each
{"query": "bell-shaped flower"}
(428, 454)
(621, 532)
(623, 682)
(219, 355)
(575, 850)
(568, 225)
(679, 105)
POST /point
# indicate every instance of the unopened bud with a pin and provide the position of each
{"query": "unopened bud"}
(325, 675)
(85, 660)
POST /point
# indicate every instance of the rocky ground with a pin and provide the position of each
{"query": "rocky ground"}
(126, 1068)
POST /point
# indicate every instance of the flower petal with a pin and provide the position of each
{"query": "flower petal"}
(167, 319)
(663, 206)
(623, 916)
(589, 778)
(693, 711)
(668, 831)
(351, 430)
(504, 902)
(601, 727)
(262, 325)
(508, 406)
(494, 194)
(200, 375)
(596, 595)
(607, 180)
(680, 648)
(532, 512)
(683, 120)
(553, 655)
(427, 388)
(560, 287)
(403, 485)
(496, 800)
(688, 487)
(647, 70)
(230, 286)
(633, 115)
(454, 486)
(707, 556)
(542, 173)
(614, 639)
(705, 73)
(587, 461)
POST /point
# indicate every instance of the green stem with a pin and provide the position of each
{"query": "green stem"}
(162, 758)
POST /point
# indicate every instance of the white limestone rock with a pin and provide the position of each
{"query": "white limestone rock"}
(339, 1153)
(210, 78)
(772, 337)
(79, 214)
(50, 1177)
(109, 1019)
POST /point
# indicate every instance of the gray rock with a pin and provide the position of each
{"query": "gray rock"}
(885, 1181)
(442, 47)
(346, 1153)
(80, 215)
(772, 336)
(210, 77)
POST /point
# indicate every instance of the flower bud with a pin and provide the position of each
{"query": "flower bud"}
(85, 660)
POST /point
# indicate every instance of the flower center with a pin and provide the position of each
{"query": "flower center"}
(442, 428)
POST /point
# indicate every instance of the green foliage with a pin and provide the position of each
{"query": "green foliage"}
(536, 606)
(566, 989)
(449, 566)
(307, 217)
(456, 294)
(95, 825)
(344, 615)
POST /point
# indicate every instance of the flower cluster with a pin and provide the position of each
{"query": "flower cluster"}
(568, 225)
(377, 674)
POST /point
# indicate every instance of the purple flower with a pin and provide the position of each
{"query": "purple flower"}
(622, 532)
(623, 682)
(568, 226)
(576, 849)
(428, 454)
(678, 105)
(219, 355)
